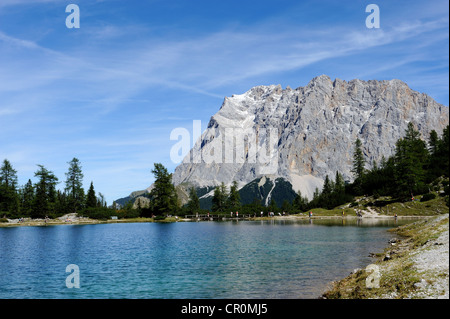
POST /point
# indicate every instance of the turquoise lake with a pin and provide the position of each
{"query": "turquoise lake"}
(187, 260)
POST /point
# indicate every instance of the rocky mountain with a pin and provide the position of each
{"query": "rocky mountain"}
(301, 135)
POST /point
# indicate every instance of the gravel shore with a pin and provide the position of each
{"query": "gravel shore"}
(432, 262)
(414, 266)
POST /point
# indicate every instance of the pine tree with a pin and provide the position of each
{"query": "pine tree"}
(338, 196)
(101, 202)
(234, 199)
(9, 199)
(256, 206)
(44, 202)
(219, 199)
(74, 186)
(163, 195)
(339, 183)
(193, 206)
(327, 186)
(358, 166)
(444, 151)
(315, 200)
(434, 169)
(273, 206)
(433, 143)
(325, 196)
(286, 207)
(91, 198)
(62, 205)
(386, 177)
(439, 155)
(224, 192)
(300, 203)
(8, 175)
(411, 155)
(27, 199)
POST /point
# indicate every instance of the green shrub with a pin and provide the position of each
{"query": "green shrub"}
(421, 188)
(446, 190)
(98, 213)
(4, 214)
(128, 213)
(428, 197)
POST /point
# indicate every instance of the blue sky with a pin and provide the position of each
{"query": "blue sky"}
(111, 92)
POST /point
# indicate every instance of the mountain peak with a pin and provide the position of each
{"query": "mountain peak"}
(316, 127)
(321, 79)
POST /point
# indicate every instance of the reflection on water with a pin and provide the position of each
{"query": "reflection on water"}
(360, 222)
(244, 259)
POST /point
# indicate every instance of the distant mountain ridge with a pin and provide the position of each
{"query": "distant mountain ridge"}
(317, 127)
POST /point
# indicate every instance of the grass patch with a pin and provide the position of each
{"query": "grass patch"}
(332, 212)
(420, 235)
(390, 207)
(397, 281)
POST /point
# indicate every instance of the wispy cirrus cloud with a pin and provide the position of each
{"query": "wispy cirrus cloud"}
(201, 64)
(9, 3)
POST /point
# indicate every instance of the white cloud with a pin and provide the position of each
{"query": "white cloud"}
(202, 64)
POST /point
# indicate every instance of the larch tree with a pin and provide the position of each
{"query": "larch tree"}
(74, 186)
(8, 188)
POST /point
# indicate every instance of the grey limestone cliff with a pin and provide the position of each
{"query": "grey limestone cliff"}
(315, 129)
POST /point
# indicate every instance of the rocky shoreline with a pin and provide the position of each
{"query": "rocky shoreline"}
(72, 219)
(414, 266)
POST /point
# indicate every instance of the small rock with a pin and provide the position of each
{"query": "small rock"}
(420, 284)
(354, 271)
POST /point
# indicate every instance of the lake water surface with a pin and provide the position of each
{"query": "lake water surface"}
(245, 259)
